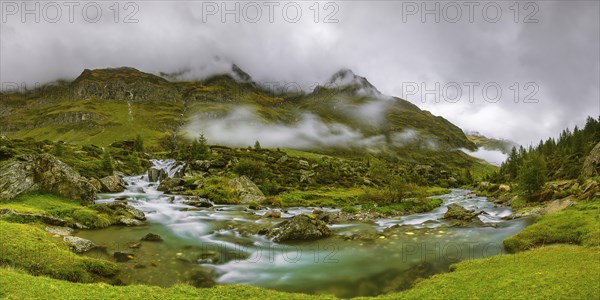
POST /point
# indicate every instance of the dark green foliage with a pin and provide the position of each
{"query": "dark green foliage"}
(257, 145)
(133, 163)
(107, 163)
(251, 168)
(563, 157)
(532, 175)
(199, 149)
(138, 144)
(58, 149)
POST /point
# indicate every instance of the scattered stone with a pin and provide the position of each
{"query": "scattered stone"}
(122, 256)
(134, 245)
(199, 202)
(254, 206)
(59, 231)
(79, 245)
(272, 214)
(317, 212)
(304, 164)
(152, 237)
(130, 222)
(282, 159)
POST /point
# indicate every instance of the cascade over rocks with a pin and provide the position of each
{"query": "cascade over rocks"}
(46, 173)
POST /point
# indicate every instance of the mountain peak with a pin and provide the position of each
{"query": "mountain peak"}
(239, 74)
(346, 80)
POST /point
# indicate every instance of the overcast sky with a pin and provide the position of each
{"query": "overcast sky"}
(551, 52)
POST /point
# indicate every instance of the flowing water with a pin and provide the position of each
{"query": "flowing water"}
(363, 258)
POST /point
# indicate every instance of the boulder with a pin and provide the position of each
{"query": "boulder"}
(591, 165)
(171, 185)
(557, 205)
(79, 245)
(301, 227)
(112, 184)
(155, 174)
(504, 188)
(43, 172)
(96, 184)
(458, 213)
(272, 214)
(153, 237)
(199, 202)
(247, 190)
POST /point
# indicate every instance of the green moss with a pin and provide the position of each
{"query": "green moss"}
(322, 197)
(554, 272)
(15, 284)
(407, 206)
(30, 248)
(217, 190)
(577, 225)
(70, 210)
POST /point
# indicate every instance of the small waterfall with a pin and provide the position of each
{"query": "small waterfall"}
(164, 168)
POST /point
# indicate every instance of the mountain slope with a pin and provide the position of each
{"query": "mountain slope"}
(106, 105)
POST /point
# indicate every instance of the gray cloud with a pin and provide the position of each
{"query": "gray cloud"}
(559, 54)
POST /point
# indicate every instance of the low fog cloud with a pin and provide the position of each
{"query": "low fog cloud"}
(242, 128)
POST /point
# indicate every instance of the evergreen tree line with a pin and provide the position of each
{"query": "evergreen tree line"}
(553, 159)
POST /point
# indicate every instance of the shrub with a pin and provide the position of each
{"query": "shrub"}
(251, 168)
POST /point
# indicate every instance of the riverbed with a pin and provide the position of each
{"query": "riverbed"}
(361, 259)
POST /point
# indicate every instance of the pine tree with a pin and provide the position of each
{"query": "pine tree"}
(107, 163)
(133, 163)
(532, 175)
(257, 145)
(138, 144)
(58, 149)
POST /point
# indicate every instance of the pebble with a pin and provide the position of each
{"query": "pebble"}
(409, 233)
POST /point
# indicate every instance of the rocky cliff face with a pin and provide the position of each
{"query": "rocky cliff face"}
(46, 173)
(591, 166)
(123, 84)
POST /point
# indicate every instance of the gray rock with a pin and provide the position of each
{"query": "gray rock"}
(152, 237)
(301, 227)
(130, 222)
(155, 175)
(79, 245)
(248, 191)
(57, 230)
(43, 172)
(591, 165)
(282, 159)
(25, 217)
(199, 202)
(112, 184)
